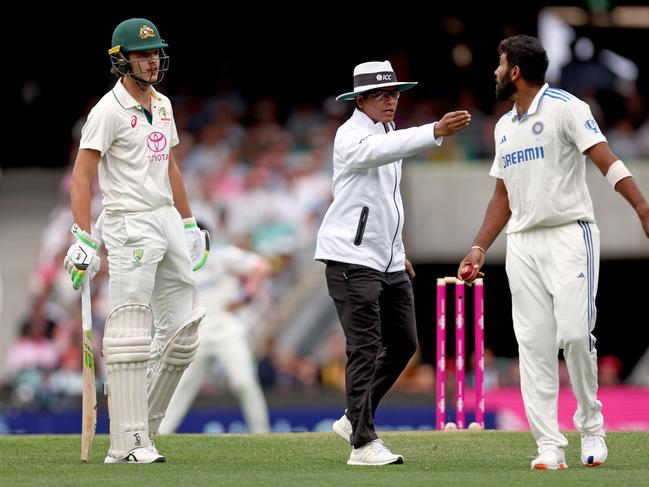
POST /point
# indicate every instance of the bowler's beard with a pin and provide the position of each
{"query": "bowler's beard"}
(505, 88)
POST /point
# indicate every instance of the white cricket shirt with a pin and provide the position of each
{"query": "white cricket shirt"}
(133, 171)
(219, 284)
(540, 158)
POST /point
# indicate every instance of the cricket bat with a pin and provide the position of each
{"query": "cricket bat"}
(89, 408)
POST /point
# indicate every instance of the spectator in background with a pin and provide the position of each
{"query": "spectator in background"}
(642, 139)
(471, 140)
(333, 367)
(30, 361)
(622, 139)
(584, 75)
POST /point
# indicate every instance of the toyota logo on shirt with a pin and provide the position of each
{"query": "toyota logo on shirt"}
(156, 141)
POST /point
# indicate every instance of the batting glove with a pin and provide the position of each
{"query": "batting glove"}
(82, 260)
(198, 243)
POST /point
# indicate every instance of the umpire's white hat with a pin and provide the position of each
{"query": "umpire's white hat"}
(373, 75)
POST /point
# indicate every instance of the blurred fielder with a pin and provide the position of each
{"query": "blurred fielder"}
(151, 238)
(552, 242)
(230, 280)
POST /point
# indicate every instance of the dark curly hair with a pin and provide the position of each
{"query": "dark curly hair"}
(528, 54)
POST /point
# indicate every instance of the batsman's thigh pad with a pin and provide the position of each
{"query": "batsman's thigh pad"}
(177, 354)
(126, 345)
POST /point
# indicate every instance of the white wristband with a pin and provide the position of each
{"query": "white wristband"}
(617, 172)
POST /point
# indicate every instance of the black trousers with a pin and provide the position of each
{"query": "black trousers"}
(377, 313)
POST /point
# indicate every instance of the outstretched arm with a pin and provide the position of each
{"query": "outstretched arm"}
(363, 150)
(496, 217)
(604, 158)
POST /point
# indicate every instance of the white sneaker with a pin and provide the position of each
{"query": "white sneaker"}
(343, 428)
(593, 449)
(551, 459)
(373, 453)
(147, 454)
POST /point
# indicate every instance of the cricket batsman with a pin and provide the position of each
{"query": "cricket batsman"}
(152, 240)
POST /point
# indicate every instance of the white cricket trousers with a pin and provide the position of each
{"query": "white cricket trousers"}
(553, 275)
(149, 264)
(233, 353)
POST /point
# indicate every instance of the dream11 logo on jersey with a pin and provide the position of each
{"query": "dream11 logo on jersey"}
(157, 142)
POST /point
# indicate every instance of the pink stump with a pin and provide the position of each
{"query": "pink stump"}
(459, 354)
(479, 352)
(440, 367)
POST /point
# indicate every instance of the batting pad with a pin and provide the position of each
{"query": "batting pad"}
(126, 344)
(173, 361)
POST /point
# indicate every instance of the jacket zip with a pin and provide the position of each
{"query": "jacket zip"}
(394, 198)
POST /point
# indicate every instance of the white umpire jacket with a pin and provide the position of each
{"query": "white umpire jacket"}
(363, 225)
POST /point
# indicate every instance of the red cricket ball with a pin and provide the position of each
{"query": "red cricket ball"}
(466, 272)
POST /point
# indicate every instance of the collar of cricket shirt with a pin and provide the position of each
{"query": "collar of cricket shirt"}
(534, 106)
(126, 100)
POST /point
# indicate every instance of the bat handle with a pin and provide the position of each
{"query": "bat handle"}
(86, 313)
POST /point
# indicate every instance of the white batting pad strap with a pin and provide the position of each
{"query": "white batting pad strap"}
(173, 361)
(126, 351)
(616, 172)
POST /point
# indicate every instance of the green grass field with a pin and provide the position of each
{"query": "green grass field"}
(431, 458)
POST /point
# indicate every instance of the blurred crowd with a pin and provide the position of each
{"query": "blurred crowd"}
(259, 177)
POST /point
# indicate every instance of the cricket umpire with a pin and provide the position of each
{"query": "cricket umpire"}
(368, 276)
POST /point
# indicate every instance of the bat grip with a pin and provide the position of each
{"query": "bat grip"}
(86, 314)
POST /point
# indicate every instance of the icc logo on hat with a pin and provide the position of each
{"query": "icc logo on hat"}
(373, 75)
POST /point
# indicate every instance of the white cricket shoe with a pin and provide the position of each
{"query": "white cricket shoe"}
(593, 449)
(552, 458)
(147, 454)
(343, 428)
(373, 453)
